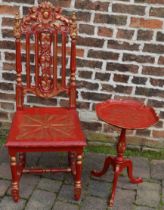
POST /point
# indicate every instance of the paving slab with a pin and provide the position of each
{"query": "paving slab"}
(124, 199)
(7, 203)
(141, 167)
(93, 203)
(162, 195)
(4, 155)
(157, 169)
(53, 159)
(5, 172)
(162, 199)
(95, 161)
(49, 185)
(99, 188)
(27, 185)
(65, 206)
(148, 194)
(30, 179)
(67, 193)
(41, 200)
(124, 183)
(142, 208)
(33, 158)
(4, 185)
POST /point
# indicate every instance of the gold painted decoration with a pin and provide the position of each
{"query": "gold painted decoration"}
(45, 61)
(17, 30)
(43, 17)
(46, 126)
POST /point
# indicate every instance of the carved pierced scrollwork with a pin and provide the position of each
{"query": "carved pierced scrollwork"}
(42, 24)
(45, 80)
(43, 17)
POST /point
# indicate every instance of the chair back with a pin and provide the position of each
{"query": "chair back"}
(43, 36)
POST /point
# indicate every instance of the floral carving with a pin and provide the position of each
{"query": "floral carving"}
(45, 16)
(46, 82)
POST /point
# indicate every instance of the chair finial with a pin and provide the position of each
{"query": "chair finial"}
(73, 26)
(17, 31)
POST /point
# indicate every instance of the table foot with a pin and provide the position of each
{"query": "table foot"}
(107, 163)
(110, 202)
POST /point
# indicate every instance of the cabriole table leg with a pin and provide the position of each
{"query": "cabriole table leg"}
(118, 164)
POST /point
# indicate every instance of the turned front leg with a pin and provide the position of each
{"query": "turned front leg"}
(14, 172)
(77, 192)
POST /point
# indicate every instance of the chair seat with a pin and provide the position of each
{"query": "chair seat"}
(51, 127)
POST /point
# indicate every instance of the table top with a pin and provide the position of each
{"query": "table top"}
(128, 114)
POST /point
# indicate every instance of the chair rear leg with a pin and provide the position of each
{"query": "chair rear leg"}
(69, 158)
(72, 162)
(77, 188)
(15, 178)
(22, 159)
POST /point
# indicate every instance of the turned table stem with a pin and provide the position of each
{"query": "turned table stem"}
(121, 146)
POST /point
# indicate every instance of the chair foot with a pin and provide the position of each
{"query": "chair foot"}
(77, 189)
(107, 163)
(15, 195)
(77, 192)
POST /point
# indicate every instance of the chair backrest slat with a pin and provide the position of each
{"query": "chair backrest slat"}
(63, 60)
(36, 60)
(55, 58)
(28, 80)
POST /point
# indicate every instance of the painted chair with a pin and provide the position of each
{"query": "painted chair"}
(45, 35)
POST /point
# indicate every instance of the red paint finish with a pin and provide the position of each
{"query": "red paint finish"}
(125, 114)
(45, 129)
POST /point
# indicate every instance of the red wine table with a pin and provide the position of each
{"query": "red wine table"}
(125, 114)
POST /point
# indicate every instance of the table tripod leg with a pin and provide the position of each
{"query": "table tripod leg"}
(107, 163)
(133, 180)
(115, 179)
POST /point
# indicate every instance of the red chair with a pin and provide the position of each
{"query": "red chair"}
(44, 34)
